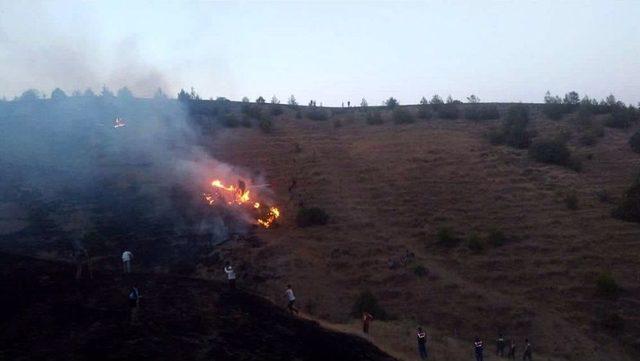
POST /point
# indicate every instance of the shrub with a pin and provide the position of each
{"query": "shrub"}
(367, 302)
(513, 131)
(629, 207)
(449, 111)
(298, 115)
(308, 217)
(496, 237)
(420, 271)
(554, 108)
(317, 114)
(252, 111)
(230, 121)
(374, 118)
(474, 244)
(603, 196)
(446, 237)
(266, 125)
(620, 117)
(246, 122)
(634, 142)
(571, 200)
(607, 286)
(481, 112)
(402, 116)
(424, 112)
(551, 151)
(337, 123)
(276, 110)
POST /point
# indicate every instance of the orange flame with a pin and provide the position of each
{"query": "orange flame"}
(266, 215)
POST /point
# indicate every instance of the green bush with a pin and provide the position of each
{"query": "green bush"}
(571, 201)
(391, 103)
(446, 237)
(402, 116)
(496, 237)
(230, 121)
(629, 207)
(474, 243)
(308, 217)
(252, 111)
(551, 151)
(607, 286)
(634, 142)
(374, 118)
(276, 110)
(317, 114)
(449, 111)
(367, 302)
(621, 117)
(266, 125)
(513, 131)
(420, 271)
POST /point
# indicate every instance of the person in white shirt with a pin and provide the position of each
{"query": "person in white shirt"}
(126, 261)
(231, 276)
(292, 299)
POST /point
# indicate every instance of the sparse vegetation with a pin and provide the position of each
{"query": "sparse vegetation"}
(620, 117)
(629, 207)
(634, 142)
(317, 114)
(607, 286)
(402, 116)
(571, 201)
(308, 217)
(367, 302)
(419, 271)
(496, 237)
(513, 131)
(481, 112)
(266, 125)
(276, 110)
(446, 237)
(449, 111)
(230, 120)
(475, 244)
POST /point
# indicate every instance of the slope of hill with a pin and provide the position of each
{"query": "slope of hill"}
(47, 315)
(389, 188)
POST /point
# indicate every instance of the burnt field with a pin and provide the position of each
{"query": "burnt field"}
(441, 227)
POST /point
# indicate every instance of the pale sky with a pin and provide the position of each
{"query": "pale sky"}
(328, 51)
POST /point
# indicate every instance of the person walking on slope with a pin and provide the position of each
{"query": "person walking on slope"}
(134, 305)
(126, 261)
(231, 276)
(527, 350)
(366, 321)
(291, 300)
(422, 343)
(479, 349)
(512, 350)
(500, 345)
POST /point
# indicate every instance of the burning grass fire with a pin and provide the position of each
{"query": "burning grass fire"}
(240, 196)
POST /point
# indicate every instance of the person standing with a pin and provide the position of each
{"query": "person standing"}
(81, 258)
(291, 300)
(366, 321)
(527, 355)
(512, 350)
(134, 305)
(500, 345)
(126, 261)
(231, 276)
(479, 349)
(422, 343)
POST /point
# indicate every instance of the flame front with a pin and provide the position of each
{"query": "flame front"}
(240, 196)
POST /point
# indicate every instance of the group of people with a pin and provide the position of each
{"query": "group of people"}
(501, 345)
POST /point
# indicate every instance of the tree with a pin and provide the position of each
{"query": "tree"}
(125, 93)
(159, 95)
(245, 100)
(275, 100)
(611, 100)
(571, 98)
(363, 103)
(292, 101)
(424, 101)
(106, 93)
(436, 100)
(312, 103)
(449, 100)
(58, 94)
(30, 95)
(183, 96)
(89, 93)
(473, 99)
(260, 100)
(391, 103)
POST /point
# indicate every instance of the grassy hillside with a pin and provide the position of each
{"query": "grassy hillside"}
(390, 188)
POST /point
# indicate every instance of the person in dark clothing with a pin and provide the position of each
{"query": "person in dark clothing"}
(512, 350)
(422, 343)
(479, 349)
(366, 321)
(527, 350)
(134, 305)
(82, 259)
(500, 344)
